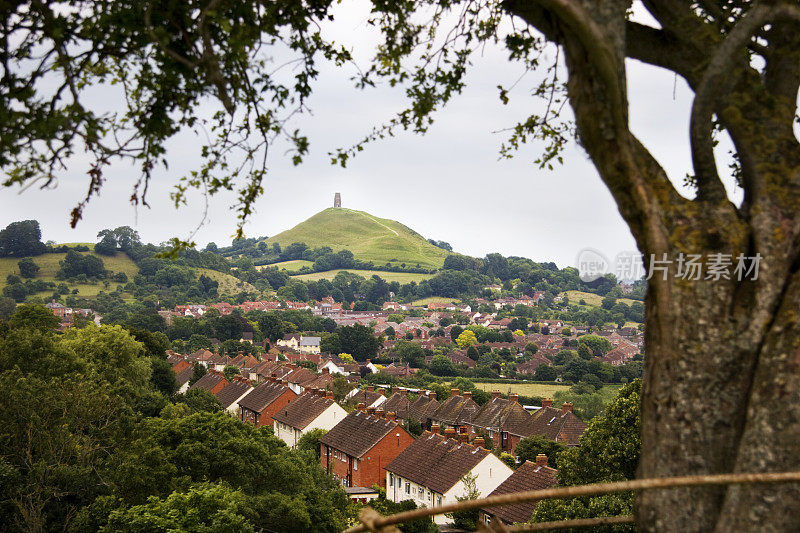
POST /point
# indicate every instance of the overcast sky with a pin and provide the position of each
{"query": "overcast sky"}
(447, 185)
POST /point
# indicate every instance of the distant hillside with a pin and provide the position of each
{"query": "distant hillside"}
(369, 238)
(49, 264)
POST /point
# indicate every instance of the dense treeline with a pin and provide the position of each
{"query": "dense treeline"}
(93, 438)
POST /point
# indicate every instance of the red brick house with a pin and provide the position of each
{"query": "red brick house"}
(264, 401)
(358, 448)
(529, 476)
(213, 382)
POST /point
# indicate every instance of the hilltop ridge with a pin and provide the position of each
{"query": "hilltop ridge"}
(370, 238)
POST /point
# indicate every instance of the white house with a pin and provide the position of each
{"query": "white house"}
(434, 469)
(309, 344)
(332, 367)
(311, 410)
(290, 340)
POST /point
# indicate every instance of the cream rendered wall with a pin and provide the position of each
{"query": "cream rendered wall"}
(490, 472)
(326, 420)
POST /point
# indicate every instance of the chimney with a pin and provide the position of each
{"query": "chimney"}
(326, 370)
(463, 437)
(370, 388)
(433, 395)
(450, 433)
(541, 460)
(496, 394)
(547, 402)
(435, 429)
(321, 393)
(468, 395)
(370, 410)
(382, 392)
(391, 416)
(403, 392)
(360, 407)
(454, 392)
(513, 397)
(566, 407)
(479, 442)
(329, 395)
(380, 413)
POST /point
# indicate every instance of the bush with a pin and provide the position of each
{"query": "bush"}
(28, 268)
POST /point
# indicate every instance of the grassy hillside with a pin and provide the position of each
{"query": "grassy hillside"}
(369, 238)
(228, 284)
(289, 266)
(48, 266)
(593, 300)
(401, 277)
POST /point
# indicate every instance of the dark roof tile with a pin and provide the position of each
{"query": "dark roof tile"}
(529, 476)
(436, 462)
(358, 433)
(301, 411)
(263, 395)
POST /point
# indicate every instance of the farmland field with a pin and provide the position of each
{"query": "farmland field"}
(401, 277)
(433, 299)
(290, 266)
(543, 390)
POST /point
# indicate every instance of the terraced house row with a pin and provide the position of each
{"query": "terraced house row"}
(372, 445)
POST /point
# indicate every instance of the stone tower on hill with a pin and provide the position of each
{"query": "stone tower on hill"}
(337, 200)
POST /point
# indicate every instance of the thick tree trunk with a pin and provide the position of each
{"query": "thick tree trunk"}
(721, 391)
(716, 399)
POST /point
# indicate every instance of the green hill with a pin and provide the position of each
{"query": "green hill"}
(49, 264)
(369, 238)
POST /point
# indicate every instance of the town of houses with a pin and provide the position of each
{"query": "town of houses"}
(367, 443)
(370, 445)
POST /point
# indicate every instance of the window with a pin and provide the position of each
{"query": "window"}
(421, 493)
(355, 464)
(429, 495)
(408, 487)
(439, 501)
(391, 480)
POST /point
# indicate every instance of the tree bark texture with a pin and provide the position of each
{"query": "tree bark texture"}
(721, 391)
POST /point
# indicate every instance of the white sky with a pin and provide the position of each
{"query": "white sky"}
(447, 185)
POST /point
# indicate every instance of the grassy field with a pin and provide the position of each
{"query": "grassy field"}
(369, 238)
(543, 390)
(401, 277)
(289, 266)
(524, 389)
(593, 300)
(227, 284)
(433, 299)
(48, 266)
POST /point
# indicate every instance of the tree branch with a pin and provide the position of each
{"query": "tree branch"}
(722, 63)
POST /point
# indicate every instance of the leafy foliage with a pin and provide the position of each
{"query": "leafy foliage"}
(608, 451)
